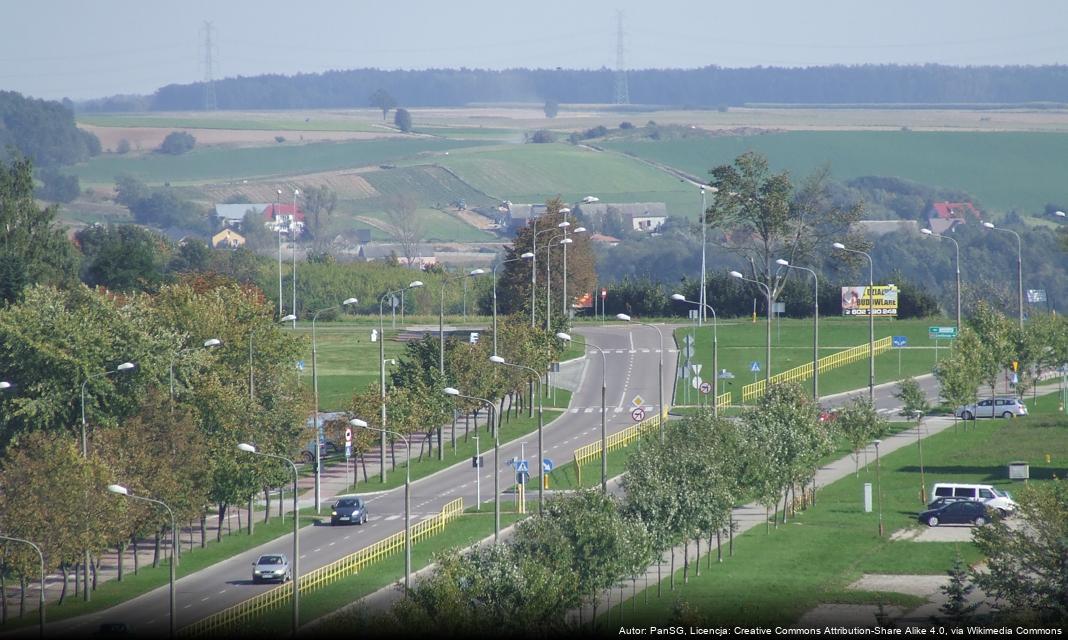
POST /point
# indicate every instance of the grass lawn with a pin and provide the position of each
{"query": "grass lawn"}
(774, 579)
(1046, 405)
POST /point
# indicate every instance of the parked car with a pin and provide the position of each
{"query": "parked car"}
(272, 566)
(957, 512)
(996, 499)
(1000, 406)
(938, 503)
(348, 511)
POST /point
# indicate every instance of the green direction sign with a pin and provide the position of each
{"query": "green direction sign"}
(936, 333)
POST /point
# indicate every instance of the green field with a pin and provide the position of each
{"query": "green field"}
(438, 226)
(431, 184)
(257, 121)
(1003, 170)
(223, 164)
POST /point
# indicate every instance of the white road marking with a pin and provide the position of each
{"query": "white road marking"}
(332, 544)
(204, 598)
(188, 605)
(317, 550)
(222, 592)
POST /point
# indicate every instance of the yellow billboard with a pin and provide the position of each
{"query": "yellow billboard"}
(880, 299)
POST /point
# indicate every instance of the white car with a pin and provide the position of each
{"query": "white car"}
(1000, 407)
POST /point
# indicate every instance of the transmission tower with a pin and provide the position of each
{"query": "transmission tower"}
(209, 78)
(622, 94)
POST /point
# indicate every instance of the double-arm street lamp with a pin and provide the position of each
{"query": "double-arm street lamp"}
(767, 335)
(956, 263)
(871, 318)
(534, 262)
(604, 410)
(451, 391)
(40, 557)
(659, 372)
(123, 491)
(541, 421)
(441, 314)
(703, 302)
(529, 255)
(414, 284)
(315, 392)
(1019, 266)
(815, 327)
(715, 343)
(293, 236)
(208, 344)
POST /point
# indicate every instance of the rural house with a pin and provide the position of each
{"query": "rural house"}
(227, 238)
(943, 216)
(647, 217)
(232, 215)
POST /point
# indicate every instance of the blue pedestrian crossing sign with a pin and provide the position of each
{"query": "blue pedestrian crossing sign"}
(900, 341)
(521, 465)
(300, 365)
(754, 366)
(547, 465)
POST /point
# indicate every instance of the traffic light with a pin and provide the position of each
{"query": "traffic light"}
(1015, 365)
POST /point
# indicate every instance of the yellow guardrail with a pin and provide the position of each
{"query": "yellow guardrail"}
(225, 620)
(804, 372)
(592, 451)
(724, 400)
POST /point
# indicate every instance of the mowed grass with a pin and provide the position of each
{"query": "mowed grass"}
(225, 164)
(437, 225)
(774, 579)
(1004, 170)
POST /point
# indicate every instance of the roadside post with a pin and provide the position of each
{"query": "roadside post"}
(476, 462)
(900, 342)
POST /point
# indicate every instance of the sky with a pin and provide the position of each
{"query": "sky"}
(80, 49)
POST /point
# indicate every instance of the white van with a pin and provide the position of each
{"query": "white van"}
(996, 499)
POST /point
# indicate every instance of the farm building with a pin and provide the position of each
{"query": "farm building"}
(943, 216)
(277, 217)
(636, 216)
(227, 238)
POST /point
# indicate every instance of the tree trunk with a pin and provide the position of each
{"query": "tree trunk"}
(672, 568)
(94, 564)
(363, 463)
(22, 595)
(393, 455)
(767, 520)
(730, 532)
(251, 511)
(659, 575)
(719, 546)
(222, 514)
(686, 561)
(267, 501)
(203, 530)
(155, 551)
(136, 555)
(3, 596)
(697, 567)
(467, 425)
(122, 554)
(77, 578)
(63, 589)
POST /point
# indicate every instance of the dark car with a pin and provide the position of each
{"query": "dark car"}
(942, 501)
(348, 511)
(956, 512)
(109, 629)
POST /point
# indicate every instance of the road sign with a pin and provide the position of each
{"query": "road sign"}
(300, 365)
(604, 293)
(638, 401)
(1036, 295)
(696, 382)
(779, 307)
(901, 341)
(473, 338)
(638, 414)
(547, 465)
(937, 333)
(476, 462)
(706, 387)
(687, 350)
(348, 435)
(521, 465)
(374, 335)
(754, 367)
(694, 314)
(696, 369)
(688, 339)
(348, 450)
(521, 477)
(726, 375)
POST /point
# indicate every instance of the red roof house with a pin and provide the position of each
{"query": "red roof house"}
(945, 215)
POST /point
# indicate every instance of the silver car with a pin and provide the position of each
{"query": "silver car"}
(271, 567)
(998, 406)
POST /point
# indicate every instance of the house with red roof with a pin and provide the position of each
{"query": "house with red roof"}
(285, 218)
(943, 216)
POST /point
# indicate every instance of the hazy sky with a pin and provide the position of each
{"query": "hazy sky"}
(85, 49)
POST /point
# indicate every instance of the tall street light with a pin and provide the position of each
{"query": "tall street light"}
(278, 232)
(5, 385)
(534, 265)
(928, 232)
(450, 391)
(871, 318)
(248, 448)
(294, 229)
(441, 314)
(414, 284)
(1019, 266)
(660, 370)
(767, 335)
(41, 602)
(604, 411)
(208, 344)
(715, 347)
(251, 379)
(815, 327)
(356, 422)
(529, 255)
(564, 304)
(123, 491)
(703, 302)
(541, 422)
(315, 391)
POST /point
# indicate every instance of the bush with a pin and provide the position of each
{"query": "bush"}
(123, 147)
(542, 136)
(626, 125)
(552, 107)
(177, 143)
(279, 139)
(58, 187)
(403, 120)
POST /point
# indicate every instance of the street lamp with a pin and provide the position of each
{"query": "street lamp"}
(123, 491)
(534, 264)
(414, 284)
(715, 346)
(251, 380)
(928, 232)
(293, 227)
(767, 338)
(208, 344)
(315, 388)
(529, 255)
(541, 421)
(604, 411)
(815, 328)
(563, 242)
(5, 385)
(248, 448)
(871, 318)
(1019, 264)
(356, 422)
(879, 482)
(441, 314)
(40, 556)
(564, 304)
(661, 412)
(278, 232)
(451, 391)
(703, 302)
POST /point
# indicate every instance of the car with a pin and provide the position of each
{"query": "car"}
(998, 406)
(942, 501)
(828, 415)
(348, 510)
(109, 629)
(271, 567)
(956, 512)
(998, 500)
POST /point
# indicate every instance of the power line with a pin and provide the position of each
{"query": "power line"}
(209, 79)
(622, 92)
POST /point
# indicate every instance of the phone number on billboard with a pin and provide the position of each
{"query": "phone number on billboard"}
(875, 312)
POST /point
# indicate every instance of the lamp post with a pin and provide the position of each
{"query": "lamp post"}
(1019, 265)
(414, 284)
(871, 318)
(208, 344)
(956, 246)
(564, 303)
(248, 448)
(660, 370)
(123, 491)
(715, 347)
(534, 265)
(251, 380)
(450, 391)
(40, 557)
(278, 232)
(541, 421)
(879, 482)
(315, 392)
(604, 411)
(767, 338)
(295, 230)
(441, 315)
(356, 422)
(815, 327)
(529, 255)
(703, 302)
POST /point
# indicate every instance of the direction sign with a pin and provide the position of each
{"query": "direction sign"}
(638, 401)
(901, 341)
(706, 387)
(348, 450)
(348, 435)
(754, 366)
(547, 465)
(726, 375)
(300, 365)
(638, 414)
(1036, 295)
(687, 350)
(936, 333)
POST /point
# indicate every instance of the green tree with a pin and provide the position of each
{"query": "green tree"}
(914, 404)
(319, 204)
(960, 374)
(177, 143)
(382, 100)
(58, 187)
(956, 610)
(997, 337)
(407, 227)
(403, 120)
(123, 258)
(860, 424)
(552, 107)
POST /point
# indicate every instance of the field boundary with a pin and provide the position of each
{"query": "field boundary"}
(804, 372)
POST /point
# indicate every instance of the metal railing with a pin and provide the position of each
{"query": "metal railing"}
(227, 619)
(804, 372)
(618, 440)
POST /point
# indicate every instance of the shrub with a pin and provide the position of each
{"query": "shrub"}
(177, 143)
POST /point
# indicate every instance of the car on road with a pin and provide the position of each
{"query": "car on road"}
(270, 567)
(997, 407)
(348, 510)
(956, 512)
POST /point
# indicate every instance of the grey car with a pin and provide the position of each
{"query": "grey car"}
(348, 511)
(271, 567)
(997, 407)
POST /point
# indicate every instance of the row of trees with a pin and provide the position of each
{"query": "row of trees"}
(42, 131)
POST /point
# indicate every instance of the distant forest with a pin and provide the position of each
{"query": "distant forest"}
(708, 87)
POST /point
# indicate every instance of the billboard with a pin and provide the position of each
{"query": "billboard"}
(585, 301)
(856, 301)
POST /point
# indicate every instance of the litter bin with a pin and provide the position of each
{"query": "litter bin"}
(1019, 470)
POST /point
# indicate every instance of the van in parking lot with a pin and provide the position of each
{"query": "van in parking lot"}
(997, 500)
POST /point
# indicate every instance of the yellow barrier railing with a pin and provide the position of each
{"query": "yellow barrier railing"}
(619, 439)
(804, 372)
(226, 619)
(724, 400)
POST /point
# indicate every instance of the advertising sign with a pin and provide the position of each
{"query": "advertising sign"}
(1036, 295)
(585, 301)
(856, 301)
